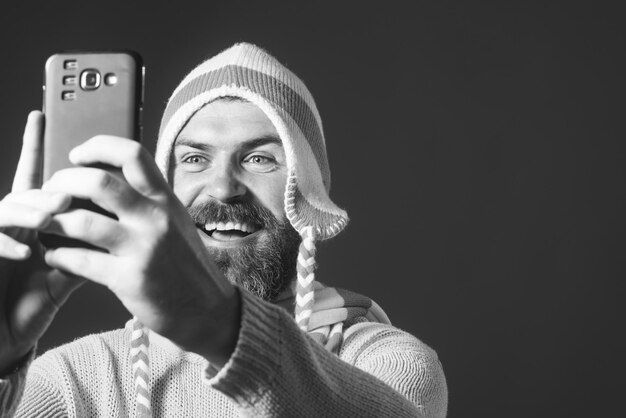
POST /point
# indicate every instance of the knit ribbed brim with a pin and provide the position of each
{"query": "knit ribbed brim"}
(249, 72)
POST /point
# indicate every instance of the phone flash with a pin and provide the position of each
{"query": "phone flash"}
(70, 65)
(69, 80)
(110, 79)
(68, 95)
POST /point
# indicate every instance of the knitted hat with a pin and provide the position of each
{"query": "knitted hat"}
(249, 72)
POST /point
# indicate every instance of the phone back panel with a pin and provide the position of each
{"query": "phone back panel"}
(73, 114)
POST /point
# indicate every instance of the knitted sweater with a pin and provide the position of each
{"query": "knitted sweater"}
(276, 370)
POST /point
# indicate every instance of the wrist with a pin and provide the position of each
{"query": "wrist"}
(218, 344)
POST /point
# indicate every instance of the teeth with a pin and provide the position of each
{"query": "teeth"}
(245, 228)
(221, 226)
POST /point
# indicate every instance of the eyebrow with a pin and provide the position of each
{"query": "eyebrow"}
(263, 140)
(249, 144)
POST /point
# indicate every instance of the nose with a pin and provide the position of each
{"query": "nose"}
(224, 184)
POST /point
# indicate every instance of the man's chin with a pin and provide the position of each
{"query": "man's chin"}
(238, 259)
(262, 263)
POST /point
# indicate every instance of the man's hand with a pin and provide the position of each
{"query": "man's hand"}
(30, 291)
(156, 263)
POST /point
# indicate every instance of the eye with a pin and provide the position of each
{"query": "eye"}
(194, 159)
(193, 163)
(258, 159)
(260, 163)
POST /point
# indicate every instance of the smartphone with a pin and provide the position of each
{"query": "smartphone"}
(87, 94)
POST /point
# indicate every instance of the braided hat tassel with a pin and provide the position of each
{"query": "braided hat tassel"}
(141, 368)
(306, 277)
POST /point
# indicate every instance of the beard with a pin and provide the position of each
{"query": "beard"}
(265, 266)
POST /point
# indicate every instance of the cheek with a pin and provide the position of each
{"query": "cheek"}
(271, 194)
(185, 189)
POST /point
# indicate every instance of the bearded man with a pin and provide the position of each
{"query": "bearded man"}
(212, 250)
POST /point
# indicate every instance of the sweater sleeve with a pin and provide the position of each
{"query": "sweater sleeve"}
(12, 387)
(41, 399)
(25, 394)
(277, 370)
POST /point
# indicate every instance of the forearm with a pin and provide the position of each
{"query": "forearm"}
(277, 370)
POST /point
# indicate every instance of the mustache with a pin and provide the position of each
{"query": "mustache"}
(215, 211)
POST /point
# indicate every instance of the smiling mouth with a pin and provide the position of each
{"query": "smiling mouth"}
(228, 231)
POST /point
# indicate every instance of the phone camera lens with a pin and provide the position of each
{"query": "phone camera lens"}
(90, 79)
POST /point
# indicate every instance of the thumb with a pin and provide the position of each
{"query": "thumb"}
(29, 168)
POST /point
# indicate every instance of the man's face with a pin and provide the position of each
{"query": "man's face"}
(229, 169)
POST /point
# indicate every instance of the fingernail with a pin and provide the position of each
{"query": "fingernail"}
(63, 199)
(22, 250)
(44, 221)
(74, 154)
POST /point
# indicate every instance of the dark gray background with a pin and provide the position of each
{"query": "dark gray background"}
(477, 146)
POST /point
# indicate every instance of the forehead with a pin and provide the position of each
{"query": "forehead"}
(227, 123)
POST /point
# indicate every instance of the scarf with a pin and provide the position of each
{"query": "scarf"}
(334, 311)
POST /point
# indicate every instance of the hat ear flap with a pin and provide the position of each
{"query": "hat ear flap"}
(301, 213)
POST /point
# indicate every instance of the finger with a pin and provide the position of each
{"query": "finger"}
(101, 187)
(21, 216)
(89, 227)
(61, 285)
(136, 163)
(28, 172)
(51, 202)
(92, 265)
(12, 249)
